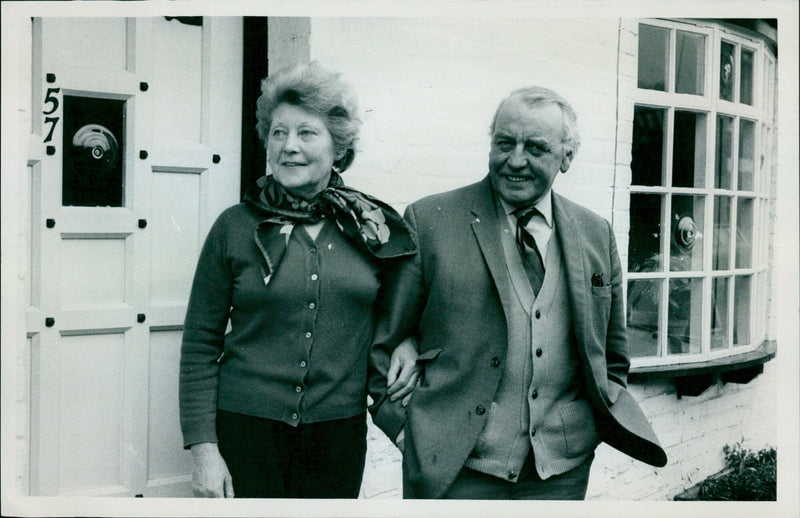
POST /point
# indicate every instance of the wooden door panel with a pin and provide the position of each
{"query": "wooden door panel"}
(112, 283)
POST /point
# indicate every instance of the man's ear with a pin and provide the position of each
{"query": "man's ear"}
(566, 161)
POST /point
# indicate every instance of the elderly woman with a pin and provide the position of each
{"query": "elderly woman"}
(282, 309)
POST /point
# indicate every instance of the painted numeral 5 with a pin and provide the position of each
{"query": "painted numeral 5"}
(52, 100)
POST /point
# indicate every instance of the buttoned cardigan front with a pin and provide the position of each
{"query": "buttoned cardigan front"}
(296, 348)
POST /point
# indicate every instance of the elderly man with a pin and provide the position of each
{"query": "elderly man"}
(515, 298)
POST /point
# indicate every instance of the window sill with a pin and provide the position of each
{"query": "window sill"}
(692, 379)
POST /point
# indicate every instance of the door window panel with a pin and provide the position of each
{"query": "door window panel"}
(92, 165)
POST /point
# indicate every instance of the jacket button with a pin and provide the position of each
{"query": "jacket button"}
(538, 351)
(480, 410)
(495, 362)
(512, 475)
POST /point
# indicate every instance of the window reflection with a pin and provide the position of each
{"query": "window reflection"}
(647, 150)
(744, 232)
(653, 53)
(689, 149)
(685, 316)
(747, 152)
(746, 79)
(690, 56)
(727, 71)
(724, 152)
(644, 251)
(644, 299)
(686, 244)
(722, 233)
(741, 311)
(719, 313)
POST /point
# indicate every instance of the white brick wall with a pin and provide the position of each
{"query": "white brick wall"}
(429, 88)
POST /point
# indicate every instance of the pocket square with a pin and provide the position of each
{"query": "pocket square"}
(597, 280)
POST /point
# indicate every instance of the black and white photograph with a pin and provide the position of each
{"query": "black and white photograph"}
(388, 259)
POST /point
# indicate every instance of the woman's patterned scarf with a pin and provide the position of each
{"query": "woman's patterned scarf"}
(374, 227)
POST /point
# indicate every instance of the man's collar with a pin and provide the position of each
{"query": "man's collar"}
(544, 206)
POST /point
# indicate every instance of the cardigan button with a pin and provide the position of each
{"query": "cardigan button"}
(480, 410)
(538, 314)
(538, 351)
(535, 394)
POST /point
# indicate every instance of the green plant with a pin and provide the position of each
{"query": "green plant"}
(749, 476)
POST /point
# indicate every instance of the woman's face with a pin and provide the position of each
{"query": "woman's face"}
(300, 150)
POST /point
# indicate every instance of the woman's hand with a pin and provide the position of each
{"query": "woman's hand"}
(403, 371)
(211, 478)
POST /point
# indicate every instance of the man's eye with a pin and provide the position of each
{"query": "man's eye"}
(504, 146)
(535, 149)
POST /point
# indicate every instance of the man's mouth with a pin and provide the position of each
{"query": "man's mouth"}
(516, 179)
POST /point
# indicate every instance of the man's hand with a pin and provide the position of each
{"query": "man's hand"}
(403, 371)
(211, 478)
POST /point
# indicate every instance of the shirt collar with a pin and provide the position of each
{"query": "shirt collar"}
(544, 206)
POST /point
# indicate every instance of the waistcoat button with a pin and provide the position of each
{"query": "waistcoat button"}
(495, 362)
(480, 410)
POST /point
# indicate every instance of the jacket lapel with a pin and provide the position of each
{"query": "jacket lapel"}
(567, 231)
(486, 226)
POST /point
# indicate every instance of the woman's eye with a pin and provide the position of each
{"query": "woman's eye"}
(277, 133)
(307, 133)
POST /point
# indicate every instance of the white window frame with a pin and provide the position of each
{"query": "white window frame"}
(762, 113)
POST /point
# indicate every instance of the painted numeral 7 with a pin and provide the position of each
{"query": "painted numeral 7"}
(52, 100)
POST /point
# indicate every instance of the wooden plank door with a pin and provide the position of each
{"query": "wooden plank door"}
(139, 135)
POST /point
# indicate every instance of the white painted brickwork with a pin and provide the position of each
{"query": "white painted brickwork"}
(428, 89)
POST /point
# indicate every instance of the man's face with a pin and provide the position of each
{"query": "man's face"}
(527, 151)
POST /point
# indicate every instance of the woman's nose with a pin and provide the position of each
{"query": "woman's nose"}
(291, 144)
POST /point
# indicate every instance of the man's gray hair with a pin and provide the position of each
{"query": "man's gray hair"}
(539, 95)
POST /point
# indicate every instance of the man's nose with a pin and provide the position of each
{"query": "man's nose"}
(517, 158)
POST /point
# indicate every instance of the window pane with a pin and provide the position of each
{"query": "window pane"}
(744, 232)
(685, 316)
(724, 153)
(741, 311)
(746, 84)
(686, 250)
(92, 168)
(644, 296)
(690, 59)
(644, 244)
(726, 70)
(648, 146)
(722, 232)
(719, 313)
(689, 149)
(747, 153)
(653, 52)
